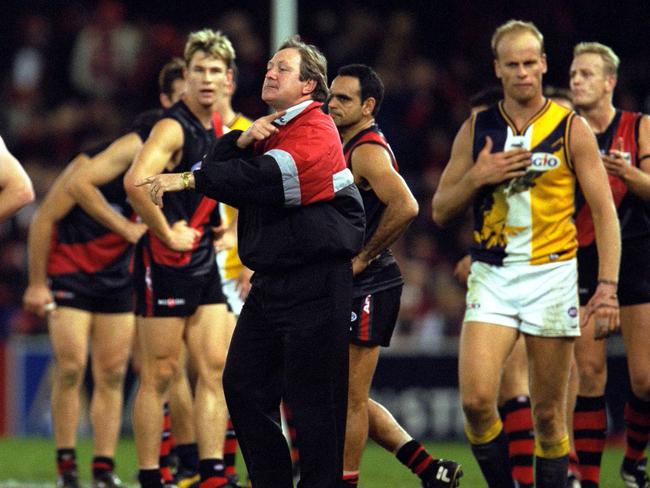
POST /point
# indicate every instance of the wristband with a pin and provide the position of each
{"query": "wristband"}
(608, 282)
(185, 177)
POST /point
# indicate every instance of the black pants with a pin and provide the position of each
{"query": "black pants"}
(291, 342)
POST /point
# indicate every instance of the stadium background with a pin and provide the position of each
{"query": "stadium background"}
(60, 94)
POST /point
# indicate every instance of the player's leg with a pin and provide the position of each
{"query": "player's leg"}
(208, 337)
(111, 341)
(160, 342)
(69, 330)
(549, 362)
(484, 348)
(636, 335)
(590, 415)
(515, 411)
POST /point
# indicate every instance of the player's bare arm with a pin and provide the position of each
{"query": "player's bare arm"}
(56, 205)
(617, 163)
(462, 178)
(15, 186)
(163, 145)
(103, 168)
(371, 163)
(593, 181)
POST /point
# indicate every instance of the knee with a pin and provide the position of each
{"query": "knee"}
(213, 367)
(641, 386)
(357, 403)
(70, 373)
(478, 406)
(160, 374)
(593, 376)
(549, 419)
(111, 377)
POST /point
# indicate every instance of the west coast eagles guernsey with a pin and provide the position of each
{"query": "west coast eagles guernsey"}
(528, 219)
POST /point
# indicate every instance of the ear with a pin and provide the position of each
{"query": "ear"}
(544, 64)
(497, 69)
(610, 82)
(165, 101)
(368, 106)
(185, 73)
(309, 87)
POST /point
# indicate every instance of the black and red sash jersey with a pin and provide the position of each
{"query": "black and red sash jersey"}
(383, 272)
(196, 209)
(86, 257)
(633, 212)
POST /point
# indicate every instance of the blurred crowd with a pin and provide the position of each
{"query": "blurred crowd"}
(73, 74)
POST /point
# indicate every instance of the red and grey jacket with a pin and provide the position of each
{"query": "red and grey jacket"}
(296, 198)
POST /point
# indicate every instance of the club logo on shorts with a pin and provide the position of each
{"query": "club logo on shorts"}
(573, 312)
(354, 317)
(171, 302)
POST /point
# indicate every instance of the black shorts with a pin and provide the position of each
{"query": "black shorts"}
(162, 291)
(119, 301)
(633, 278)
(374, 317)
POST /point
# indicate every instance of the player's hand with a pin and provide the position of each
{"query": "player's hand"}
(159, 184)
(617, 162)
(38, 299)
(182, 237)
(261, 129)
(461, 271)
(493, 168)
(226, 239)
(243, 285)
(605, 309)
(359, 264)
(133, 231)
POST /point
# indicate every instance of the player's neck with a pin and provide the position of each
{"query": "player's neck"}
(228, 115)
(201, 112)
(522, 112)
(599, 116)
(351, 131)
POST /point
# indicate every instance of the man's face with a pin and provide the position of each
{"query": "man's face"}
(282, 87)
(344, 104)
(206, 77)
(520, 65)
(589, 81)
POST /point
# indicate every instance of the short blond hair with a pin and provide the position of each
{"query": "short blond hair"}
(213, 43)
(515, 26)
(607, 54)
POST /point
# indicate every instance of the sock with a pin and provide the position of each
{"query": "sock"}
(188, 457)
(552, 463)
(415, 457)
(165, 446)
(518, 425)
(637, 431)
(491, 453)
(150, 478)
(230, 449)
(66, 460)
(350, 479)
(589, 428)
(102, 464)
(212, 473)
(295, 454)
(573, 463)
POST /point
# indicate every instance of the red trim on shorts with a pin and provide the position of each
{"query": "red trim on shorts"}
(364, 320)
(148, 291)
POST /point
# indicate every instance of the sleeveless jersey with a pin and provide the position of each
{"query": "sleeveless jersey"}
(190, 206)
(86, 257)
(528, 219)
(383, 272)
(633, 212)
(229, 263)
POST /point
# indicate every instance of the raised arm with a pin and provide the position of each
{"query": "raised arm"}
(15, 186)
(109, 164)
(372, 163)
(592, 178)
(56, 205)
(164, 143)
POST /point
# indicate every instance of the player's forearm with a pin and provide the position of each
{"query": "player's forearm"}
(93, 202)
(452, 201)
(394, 221)
(608, 241)
(638, 183)
(38, 249)
(148, 212)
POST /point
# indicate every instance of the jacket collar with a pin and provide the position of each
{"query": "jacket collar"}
(293, 112)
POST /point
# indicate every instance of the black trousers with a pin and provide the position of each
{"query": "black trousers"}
(291, 343)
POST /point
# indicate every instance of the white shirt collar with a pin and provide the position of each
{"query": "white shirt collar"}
(292, 112)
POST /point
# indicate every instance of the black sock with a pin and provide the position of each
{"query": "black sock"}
(551, 472)
(150, 478)
(66, 460)
(494, 461)
(211, 468)
(102, 464)
(188, 457)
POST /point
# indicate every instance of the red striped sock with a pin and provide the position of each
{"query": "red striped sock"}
(518, 425)
(102, 464)
(66, 460)
(230, 449)
(350, 479)
(288, 418)
(165, 446)
(637, 429)
(414, 456)
(589, 429)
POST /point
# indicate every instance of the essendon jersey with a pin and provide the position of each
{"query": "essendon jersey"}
(190, 206)
(633, 212)
(383, 272)
(86, 257)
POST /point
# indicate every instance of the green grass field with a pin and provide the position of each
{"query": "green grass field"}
(29, 462)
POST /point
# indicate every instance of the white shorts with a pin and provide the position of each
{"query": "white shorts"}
(229, 288)
(540, 300)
